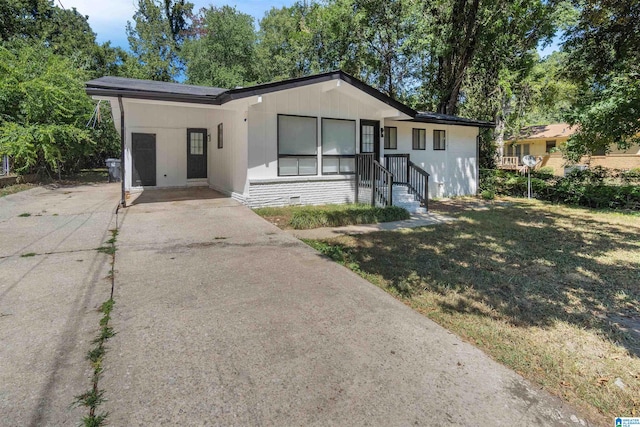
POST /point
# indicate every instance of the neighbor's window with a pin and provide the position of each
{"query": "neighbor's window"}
(439, 140)
(338, 146)
(220, 142)
(551, 145)
(522, 150)
(390, 138)
(508, 150)
(297, 145)
(419, 139)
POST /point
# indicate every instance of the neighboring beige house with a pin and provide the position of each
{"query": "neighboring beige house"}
(543, 141)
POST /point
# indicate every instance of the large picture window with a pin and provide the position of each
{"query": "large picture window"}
(390, 138)
(439, 140)
(297, 145)
(338, 146)
(419, 139)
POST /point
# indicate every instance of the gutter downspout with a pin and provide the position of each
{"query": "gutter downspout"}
(123, 200)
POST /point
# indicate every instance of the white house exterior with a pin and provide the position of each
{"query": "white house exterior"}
(290, 142)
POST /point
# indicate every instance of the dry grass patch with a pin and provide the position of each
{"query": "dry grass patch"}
(15, 188)
(307, 217)
(552, 292)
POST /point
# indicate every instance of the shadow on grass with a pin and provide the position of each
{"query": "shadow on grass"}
(530, 266)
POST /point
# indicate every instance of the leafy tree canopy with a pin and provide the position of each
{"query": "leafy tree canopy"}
(604, 61)
(153, 43)
(44, 110)
(221, 51)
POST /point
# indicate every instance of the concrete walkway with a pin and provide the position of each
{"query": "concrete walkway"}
(52, 281)
(223, 319)
(416, 220)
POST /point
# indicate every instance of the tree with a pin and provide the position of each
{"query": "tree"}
(604, 60)
(476, 41)
(286, 43)
(221, 51)
(152, 43)
(177, 13)
(44, 111)
(385, 28)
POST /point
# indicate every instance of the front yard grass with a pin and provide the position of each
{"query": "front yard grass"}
(306, 217)
(15, 188)
(550, 291)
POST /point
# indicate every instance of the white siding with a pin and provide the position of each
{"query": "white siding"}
(226, 167)
(454, 171)
(344, 102)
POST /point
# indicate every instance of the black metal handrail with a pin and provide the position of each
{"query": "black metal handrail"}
(398, 165)
(418, 183)
(375, 178)
(405, 172)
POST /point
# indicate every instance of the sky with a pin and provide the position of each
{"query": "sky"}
(108, 19)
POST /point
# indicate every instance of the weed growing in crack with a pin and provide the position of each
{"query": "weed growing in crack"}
(28, 254)
(24, 215)
(94, 397)
(109, 250)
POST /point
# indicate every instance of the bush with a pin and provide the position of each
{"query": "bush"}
(488, 195)
(311, 217)
(595, 188)
(544, 172)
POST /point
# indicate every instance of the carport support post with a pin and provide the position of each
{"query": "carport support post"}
(123, 196)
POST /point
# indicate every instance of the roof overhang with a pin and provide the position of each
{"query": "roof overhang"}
(113, 87)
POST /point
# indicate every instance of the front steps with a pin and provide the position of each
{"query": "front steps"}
(403, 199)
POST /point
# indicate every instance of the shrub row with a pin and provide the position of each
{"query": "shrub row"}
(595, 188)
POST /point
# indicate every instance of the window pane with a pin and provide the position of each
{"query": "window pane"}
(393, 138)
(438, 140)
(367, 138)
(196, 143)
(297, 135)
(338, 137)
(330, 165)
(390, 138)
(288, 166)
(419, 139)
(307, 166)
(347, 165)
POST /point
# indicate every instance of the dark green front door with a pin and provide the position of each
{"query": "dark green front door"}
(196, 153)
(143, 155)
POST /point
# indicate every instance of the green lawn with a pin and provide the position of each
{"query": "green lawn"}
(551, 291)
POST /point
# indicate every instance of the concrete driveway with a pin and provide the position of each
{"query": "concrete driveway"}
(222, 319)
(52, 279)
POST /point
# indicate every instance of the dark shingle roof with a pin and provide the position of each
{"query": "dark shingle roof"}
(428, 117)
(163, 91)
(154, 86)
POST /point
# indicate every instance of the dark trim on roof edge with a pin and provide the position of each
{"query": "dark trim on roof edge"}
(155, 96)
(453, 121)
(235, 94)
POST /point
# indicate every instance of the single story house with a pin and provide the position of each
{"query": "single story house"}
(544, 141)
(326, 138)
